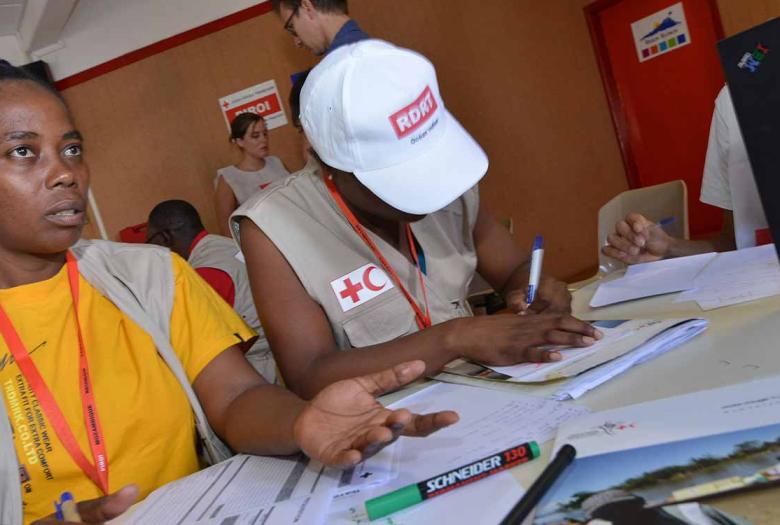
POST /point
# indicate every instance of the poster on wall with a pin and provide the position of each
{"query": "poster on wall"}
(660, 33)
(262, 99)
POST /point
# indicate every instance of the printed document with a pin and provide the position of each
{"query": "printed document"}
(736, 277)
(242, 489)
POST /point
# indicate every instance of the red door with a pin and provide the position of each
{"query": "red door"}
(663, 94)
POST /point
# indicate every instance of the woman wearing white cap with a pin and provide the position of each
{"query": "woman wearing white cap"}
(378, 253)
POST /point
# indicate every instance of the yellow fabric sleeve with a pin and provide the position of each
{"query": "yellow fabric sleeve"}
(203, 325)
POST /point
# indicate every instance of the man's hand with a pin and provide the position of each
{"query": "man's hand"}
(345, 424)
(637, 240)
(99, 510)
(508, 339)
(552, 297)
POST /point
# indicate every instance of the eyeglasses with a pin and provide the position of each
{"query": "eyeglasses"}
(288, 24)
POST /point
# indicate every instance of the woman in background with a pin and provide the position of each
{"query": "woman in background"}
(256, 170)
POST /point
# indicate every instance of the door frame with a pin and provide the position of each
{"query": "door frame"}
(619, 120)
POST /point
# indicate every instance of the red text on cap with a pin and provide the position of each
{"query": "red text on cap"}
(408, 119)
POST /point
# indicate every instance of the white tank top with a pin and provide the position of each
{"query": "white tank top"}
(246, 183)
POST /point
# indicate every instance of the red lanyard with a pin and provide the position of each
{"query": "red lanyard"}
(98, 470)
(423, 319)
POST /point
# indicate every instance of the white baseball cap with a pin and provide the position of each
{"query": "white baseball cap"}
(374, 109)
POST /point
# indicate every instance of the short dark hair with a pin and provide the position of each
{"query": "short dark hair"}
(10, 73)
(295, 97)
(323, 6)
(177, 217)
(241, 123)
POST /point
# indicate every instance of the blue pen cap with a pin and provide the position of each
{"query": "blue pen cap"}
(538, 242)
(65, 496)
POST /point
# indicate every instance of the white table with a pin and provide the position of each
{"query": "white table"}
(742, 343)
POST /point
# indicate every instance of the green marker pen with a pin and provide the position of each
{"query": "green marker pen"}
(415, 493)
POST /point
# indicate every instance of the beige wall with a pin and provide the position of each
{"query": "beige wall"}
(738, 15)
(521, 76)
(154, 130)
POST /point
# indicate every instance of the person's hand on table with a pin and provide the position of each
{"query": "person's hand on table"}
(345, 424)
(637, 240)
(100, 510)
(552, 297)
(509, 339)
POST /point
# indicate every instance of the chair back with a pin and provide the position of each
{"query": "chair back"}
(665, 203)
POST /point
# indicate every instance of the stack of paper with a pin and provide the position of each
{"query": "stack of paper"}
(649, 279)
(625, 344)
(620, 337)
(659, 344)
(736, 277)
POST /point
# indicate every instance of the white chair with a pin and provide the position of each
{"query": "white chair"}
(667, 203)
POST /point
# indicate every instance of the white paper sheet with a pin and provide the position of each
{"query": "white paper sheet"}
(727, 409)
(736, 277)
(649, 279)
(275, 490)
(490, 421)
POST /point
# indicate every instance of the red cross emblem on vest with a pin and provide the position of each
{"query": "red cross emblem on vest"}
(360, 286)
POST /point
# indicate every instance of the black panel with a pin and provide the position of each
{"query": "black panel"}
(751, 63)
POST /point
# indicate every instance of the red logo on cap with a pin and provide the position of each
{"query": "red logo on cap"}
(408, 119)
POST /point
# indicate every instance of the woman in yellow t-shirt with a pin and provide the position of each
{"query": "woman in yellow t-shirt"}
(85, 388)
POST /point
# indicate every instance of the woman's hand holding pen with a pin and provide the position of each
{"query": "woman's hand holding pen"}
(553, 297)
(99, 510)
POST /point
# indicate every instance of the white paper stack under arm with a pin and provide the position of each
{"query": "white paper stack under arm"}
(658, 345)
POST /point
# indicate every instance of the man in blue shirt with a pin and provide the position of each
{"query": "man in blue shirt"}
(319, 25)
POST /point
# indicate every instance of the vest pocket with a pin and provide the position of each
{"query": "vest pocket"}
(386, 321)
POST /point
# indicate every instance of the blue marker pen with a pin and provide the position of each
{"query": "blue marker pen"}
(537, 254)
(66, 508)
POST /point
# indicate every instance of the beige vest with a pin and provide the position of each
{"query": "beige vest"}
(302, 220)
(246, 183)
(138, 279)
(216, 251)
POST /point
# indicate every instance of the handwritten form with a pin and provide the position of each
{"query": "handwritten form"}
(490, 421)
(736, 277)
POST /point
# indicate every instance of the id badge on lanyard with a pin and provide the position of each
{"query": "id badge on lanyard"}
(97, 470)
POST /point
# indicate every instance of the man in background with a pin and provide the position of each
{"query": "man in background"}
(176, 225)
(319, 25)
